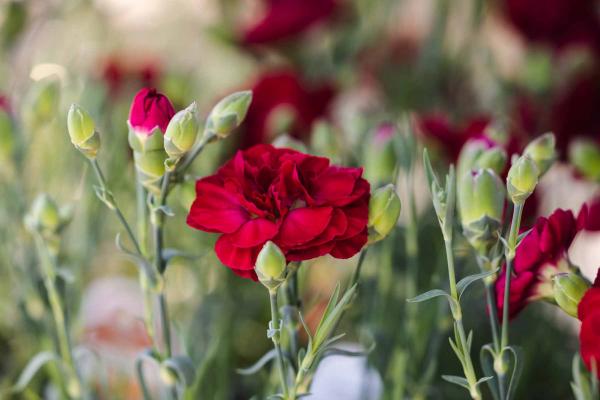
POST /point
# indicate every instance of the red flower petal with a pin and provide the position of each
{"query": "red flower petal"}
(302, 225)
(254, 233)
(215, 210)
(589, 340)
(239, 258)
(349, 247)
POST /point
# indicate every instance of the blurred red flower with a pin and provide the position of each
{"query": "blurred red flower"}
(4, 104)
(117, 73)
(558, 23)
(303, 204)
(589, 314)
(574, 110)
(286, 18)
(150, 109)
(539, 253)
(284, 98)
(592, 222)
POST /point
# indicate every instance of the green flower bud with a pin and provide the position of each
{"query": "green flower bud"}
(585, 156)
(41, 103)
(228, 114)
(568, 289)
(542, 151)
(82, 131)
(182, 132)
(271, 266)
(151, 167)
(481, 202)
(45, 217)
(522, 179)
(384, 210)
(477, 154)
(379, 155)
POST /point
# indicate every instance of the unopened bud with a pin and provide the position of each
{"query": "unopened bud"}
(384, 210)
(45, 216)
(181, 132)
(585, 156)
(479, 153)
(542, 151)
(271, 266)
(522, 179)
(481, 202)
(228, 114)
(380, 155)
(82, 131)
(568, 289)
(41, 103)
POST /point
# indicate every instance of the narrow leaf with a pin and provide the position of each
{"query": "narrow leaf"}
(428, 295)
(33, 366)
(183, 367)
(457, 380)
(464, 283)
(486, 357)
(257, 366)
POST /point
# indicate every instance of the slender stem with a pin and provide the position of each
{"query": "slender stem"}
(468, 368)
(142, 213)
(356, 274)
(159, 263)
(290, 291)
(275, 337)
(510, 256)
(493, 314)
(48, 264)
(115, 207)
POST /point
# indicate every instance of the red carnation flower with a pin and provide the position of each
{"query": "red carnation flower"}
(149, 110)
(538, 258)
(284, 95)
(559, 23)
(303, 204)
(286, 18)
(589, 314)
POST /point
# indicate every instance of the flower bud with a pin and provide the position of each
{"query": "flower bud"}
(181, 132)
(384, 210)
(45, 217)
(585, 156)
(271, 266)
(481, 153)
(379, 155)
(228, 114)
(150, 110)
(82, 131)
(41, 103)
(568, 289)
(542, 151)
(522, 179)
(481, 202)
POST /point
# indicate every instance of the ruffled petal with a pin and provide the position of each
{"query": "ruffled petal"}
(254, 233)
(215, 210)
(302, 225)
(238, 258)
(349, 247)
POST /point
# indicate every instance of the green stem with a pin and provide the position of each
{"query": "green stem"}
(468, 368)
(142, 213)
(48, 263)
(115, 207)
(510, 256)
(292, 299)
(357, 270)
(276, 336)
(159, 263)
(493, 314)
